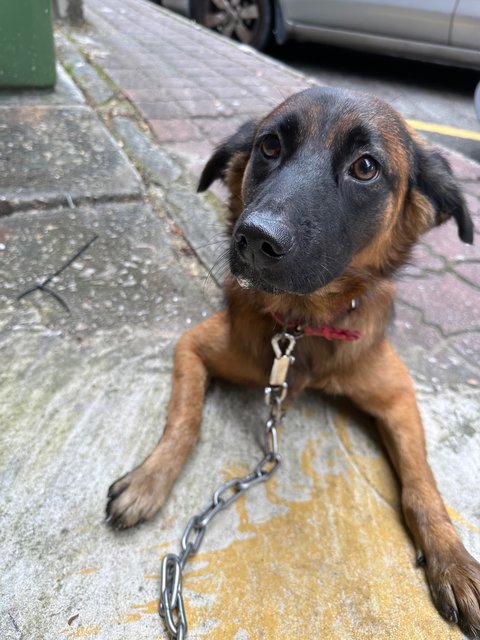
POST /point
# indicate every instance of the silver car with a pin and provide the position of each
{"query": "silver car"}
(437, 30)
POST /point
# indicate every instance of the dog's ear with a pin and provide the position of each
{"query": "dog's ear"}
(216, 167)
(434, 179)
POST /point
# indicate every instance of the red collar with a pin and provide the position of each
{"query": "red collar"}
(323, 330)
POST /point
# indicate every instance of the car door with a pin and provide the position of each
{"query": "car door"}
(422, 20)
(466, 25)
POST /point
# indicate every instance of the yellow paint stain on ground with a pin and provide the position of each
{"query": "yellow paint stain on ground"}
(82, 632)
(162, 546)
(454, 515)
(376, 471)
(336, 566)
(140, 610)
(84, 572)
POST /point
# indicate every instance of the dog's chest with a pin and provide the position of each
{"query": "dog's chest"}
(315, 361)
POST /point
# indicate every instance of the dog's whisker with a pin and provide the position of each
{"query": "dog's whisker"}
(212, 243)
(219, 268)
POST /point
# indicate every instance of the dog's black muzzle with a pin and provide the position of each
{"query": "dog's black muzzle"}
(262, 252)
(260, 240)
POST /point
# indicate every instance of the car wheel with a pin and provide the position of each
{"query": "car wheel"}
(248, 21)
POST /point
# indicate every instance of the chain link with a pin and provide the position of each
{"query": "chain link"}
(171, 606)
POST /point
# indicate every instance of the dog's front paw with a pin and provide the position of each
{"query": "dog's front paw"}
(135, 497)
(455, 587)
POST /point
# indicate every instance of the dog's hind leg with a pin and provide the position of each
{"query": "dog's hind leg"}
(205, 351)
(382, 386)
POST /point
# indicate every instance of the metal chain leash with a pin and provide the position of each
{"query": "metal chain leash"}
(171, 606)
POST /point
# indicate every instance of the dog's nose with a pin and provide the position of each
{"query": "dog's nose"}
(261, 237)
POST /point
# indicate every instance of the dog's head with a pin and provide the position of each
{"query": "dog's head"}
(327, 179)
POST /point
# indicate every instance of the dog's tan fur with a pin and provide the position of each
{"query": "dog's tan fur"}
(367, 371)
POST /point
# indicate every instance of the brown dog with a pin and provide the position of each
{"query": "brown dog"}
(329, 193)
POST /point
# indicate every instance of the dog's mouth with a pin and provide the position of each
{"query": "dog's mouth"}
(245, 283)
(277, 280)
(259, 285)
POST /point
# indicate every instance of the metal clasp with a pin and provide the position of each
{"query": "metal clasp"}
(283, 337)
(283, 345)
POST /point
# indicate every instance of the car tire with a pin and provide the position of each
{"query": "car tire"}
(248, 21)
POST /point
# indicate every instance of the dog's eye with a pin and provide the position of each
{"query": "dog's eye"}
(270, 146)
(365, 169)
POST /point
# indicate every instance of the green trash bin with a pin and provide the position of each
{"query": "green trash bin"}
(27, 55)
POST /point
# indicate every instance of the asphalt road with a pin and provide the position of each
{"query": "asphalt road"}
(433, 94)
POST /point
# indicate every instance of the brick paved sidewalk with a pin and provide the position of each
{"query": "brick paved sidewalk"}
(191, 86)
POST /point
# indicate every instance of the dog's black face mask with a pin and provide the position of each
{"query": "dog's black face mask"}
(318, 182)
(314, 193)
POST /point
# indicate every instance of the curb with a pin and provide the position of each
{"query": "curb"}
(167, 182)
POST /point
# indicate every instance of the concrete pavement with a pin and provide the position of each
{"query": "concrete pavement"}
(112, 158)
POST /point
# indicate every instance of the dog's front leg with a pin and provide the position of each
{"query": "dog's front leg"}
(206, 350)
(383, 388)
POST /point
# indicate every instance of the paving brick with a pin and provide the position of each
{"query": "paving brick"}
(444, 241)
(158, 94)
(161, 110)
(454, 306)
(408, 331)
(468, 346)
(129, 78)
(175, 82)
(422, 261)
(119, 61)
(470, 271)
(153, 71)
(219, 128)
(462, 166)
(193, 153)
(174, 130)
(473, 204)
(190, 93)
(472, 188)
(211, 107)
(253, 106)
(225, 90)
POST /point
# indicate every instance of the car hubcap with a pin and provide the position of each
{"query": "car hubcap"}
(233, 18)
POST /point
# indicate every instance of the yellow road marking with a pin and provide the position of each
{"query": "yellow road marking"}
(445, 130)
